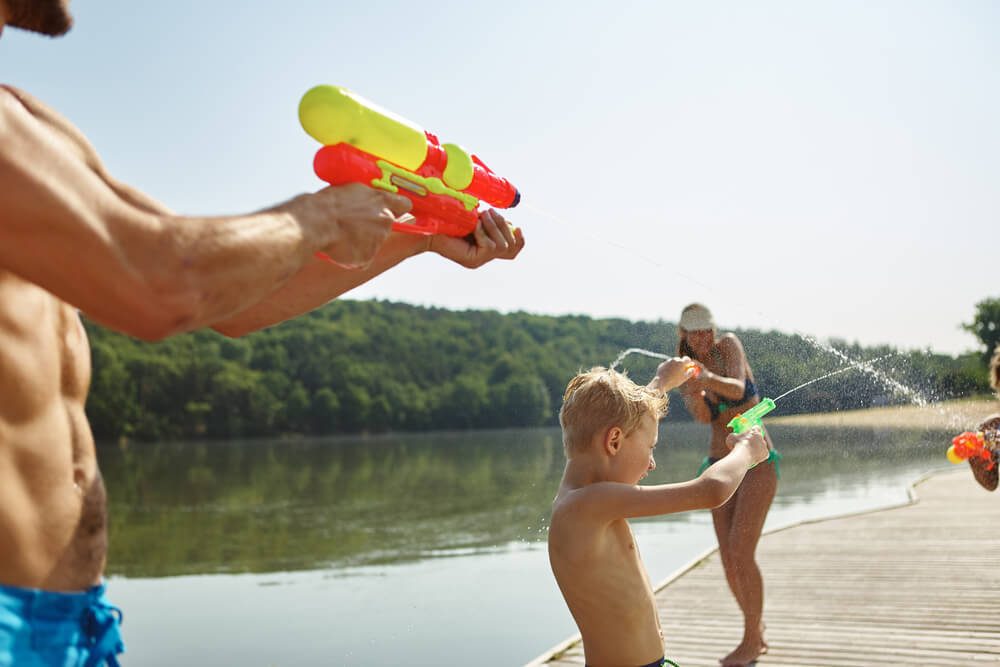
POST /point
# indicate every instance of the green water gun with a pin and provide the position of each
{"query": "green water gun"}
(743, 422)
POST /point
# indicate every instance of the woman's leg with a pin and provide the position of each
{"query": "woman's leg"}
(750, 505)
(722, 519)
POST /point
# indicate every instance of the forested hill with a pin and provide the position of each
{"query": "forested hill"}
(355, 366)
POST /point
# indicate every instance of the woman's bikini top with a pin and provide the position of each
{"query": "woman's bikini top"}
(749, 391)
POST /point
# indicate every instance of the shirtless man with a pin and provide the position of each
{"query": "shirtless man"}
(74, 239)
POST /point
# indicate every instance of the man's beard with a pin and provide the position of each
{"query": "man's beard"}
(48, 17)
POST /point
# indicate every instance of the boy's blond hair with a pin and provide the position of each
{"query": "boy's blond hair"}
(601, 398)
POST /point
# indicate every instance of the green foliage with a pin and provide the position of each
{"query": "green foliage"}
(374, 366)
(986, 325)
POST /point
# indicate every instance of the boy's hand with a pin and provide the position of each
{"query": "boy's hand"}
(753, 441)
(674, 372)
(492, 239)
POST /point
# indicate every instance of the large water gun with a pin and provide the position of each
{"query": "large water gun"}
(743, 422)
(363, 143)
(970, 445)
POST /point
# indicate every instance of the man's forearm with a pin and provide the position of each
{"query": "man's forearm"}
(220, 266)
(317, 283)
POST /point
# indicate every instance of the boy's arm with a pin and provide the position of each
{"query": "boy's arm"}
(318, 282)
(127, 261)
(610, 500)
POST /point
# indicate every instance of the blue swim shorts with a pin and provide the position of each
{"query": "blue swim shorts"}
(45, 629)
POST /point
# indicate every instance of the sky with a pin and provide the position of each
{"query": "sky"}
(827, 168)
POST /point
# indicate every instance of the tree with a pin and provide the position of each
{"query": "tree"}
(986, 325)
(521, 400)
(357, 366)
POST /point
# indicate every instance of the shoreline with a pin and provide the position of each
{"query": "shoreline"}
(944, 415)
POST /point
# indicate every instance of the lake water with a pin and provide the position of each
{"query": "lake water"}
(409, 549)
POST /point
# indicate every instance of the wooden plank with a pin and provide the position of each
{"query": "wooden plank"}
(912, 585)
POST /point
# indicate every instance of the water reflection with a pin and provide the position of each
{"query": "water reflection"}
(275, 506)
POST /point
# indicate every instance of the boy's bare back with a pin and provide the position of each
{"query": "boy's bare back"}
(605, 584)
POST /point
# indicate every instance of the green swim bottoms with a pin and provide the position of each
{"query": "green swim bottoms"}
(773, 458)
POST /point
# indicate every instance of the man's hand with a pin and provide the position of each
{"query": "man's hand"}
(361, 220)
(492, 239)
(753, 441)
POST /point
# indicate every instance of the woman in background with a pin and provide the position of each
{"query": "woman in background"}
(722, 389)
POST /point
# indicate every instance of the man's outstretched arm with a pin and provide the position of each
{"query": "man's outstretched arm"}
(318, 282)
(130, 263)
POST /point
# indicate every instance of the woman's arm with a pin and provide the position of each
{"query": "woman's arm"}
(694, 400)
(729, 384)
(671, 374)
(678, 372)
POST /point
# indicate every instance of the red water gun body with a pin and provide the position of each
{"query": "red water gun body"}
(363, 143)
(970, 445)
(435, 209)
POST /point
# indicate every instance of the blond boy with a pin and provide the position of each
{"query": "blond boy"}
(610, 428)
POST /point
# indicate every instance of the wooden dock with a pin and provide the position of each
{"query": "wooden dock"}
(917, 584)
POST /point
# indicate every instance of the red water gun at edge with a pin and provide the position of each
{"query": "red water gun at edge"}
(970, 445)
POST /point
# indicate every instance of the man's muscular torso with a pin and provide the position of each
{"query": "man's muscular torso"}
(53, 527)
